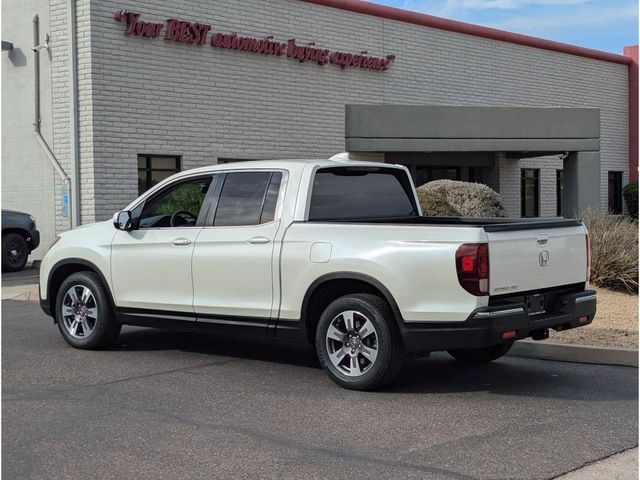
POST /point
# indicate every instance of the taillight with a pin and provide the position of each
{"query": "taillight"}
(588, 257)
(472, 265)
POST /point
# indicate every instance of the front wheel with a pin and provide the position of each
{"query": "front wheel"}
(481, 355)
(358, 343)
(84, 314)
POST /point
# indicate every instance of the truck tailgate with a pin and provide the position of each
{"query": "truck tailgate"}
(524, 259)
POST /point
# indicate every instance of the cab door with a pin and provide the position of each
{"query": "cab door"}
(233, 261)
(151, 264)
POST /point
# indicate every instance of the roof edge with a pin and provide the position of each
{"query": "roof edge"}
(422, 19)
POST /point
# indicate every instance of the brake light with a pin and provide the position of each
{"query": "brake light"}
(588, 257)
(472, 266)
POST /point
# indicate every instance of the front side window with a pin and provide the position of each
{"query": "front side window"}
(248, 198)
(177, 205)
(351, 193)
(152, 169)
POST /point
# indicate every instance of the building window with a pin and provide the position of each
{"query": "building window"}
(429, 174)
(530, 192)
(152, 169)
(559, 191)
(615, 192)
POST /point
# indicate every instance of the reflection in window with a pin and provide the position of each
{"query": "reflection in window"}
(248, 198)
(176, 206)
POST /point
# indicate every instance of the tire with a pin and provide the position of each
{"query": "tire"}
(92, 311)
(373, 335)
(15, 252)
(479, 356)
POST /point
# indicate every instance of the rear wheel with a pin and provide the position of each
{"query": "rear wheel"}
(15, 252)
(84, 314)
(358, 343)
(481, 355)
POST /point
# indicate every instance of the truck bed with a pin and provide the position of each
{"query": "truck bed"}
(489, 224)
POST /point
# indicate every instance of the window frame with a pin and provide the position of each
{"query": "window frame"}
(204, 210)
(522, 192)
(217, 191)
(149, 170)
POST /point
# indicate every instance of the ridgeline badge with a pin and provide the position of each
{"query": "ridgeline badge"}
(194, 33)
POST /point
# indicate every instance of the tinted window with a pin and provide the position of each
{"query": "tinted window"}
(248, 198)
(345, 193)
(175, 206)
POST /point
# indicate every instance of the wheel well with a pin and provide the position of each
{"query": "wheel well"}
(330, 290)
(23, 233)
(58, 276)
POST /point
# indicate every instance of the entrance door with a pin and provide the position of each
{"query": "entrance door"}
(151, 264)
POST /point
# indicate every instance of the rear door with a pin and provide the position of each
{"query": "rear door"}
(234, 266)
(535, 258)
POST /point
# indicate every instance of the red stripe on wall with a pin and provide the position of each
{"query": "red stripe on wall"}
(632, 53)
(424, 20)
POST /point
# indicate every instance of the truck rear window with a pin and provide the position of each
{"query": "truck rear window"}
(351, 193)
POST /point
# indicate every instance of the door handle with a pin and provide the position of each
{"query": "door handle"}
(180, 241)
(258, 240)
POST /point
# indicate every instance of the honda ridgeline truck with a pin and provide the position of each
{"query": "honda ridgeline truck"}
(334, 253)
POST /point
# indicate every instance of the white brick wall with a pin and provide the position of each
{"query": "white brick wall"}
(140, 95)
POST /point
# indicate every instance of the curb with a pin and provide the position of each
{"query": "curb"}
(575, 353)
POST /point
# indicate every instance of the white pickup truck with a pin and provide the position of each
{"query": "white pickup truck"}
(335, 253)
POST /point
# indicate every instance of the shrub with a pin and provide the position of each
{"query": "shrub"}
(462, 199)
(614, 250)
(630, 193)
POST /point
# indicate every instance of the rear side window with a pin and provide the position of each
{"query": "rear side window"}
(248, 198)
(350, 193)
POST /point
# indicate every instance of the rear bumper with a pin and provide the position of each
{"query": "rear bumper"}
(485, 326)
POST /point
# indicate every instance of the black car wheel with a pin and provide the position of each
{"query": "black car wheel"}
(15, 252)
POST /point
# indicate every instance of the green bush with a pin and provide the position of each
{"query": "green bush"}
(630, 193)
(614, 250)
(446, 198)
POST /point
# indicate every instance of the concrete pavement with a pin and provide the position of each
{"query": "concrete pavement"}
(173, 405)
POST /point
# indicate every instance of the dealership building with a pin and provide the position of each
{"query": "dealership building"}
(118, 95)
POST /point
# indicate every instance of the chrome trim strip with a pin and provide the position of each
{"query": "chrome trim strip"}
(499, 313)
(586, 298)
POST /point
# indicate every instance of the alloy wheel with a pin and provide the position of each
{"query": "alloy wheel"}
(352, 343)
(79, 311)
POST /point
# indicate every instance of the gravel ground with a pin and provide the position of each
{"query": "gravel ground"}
(615, 325)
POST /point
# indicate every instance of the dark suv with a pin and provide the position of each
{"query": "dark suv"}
(19, 239)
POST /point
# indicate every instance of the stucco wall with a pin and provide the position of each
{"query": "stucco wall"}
(27, 175)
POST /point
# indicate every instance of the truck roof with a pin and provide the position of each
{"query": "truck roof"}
(288, 164)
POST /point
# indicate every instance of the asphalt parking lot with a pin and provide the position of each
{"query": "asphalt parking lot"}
(173, 405)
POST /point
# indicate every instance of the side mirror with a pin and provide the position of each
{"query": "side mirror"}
(122, 220)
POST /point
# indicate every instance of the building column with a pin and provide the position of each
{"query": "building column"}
(581, 183)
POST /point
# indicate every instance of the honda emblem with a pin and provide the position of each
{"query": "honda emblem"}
(544, 258)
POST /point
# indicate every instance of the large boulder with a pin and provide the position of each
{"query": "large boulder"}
(446, 198)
